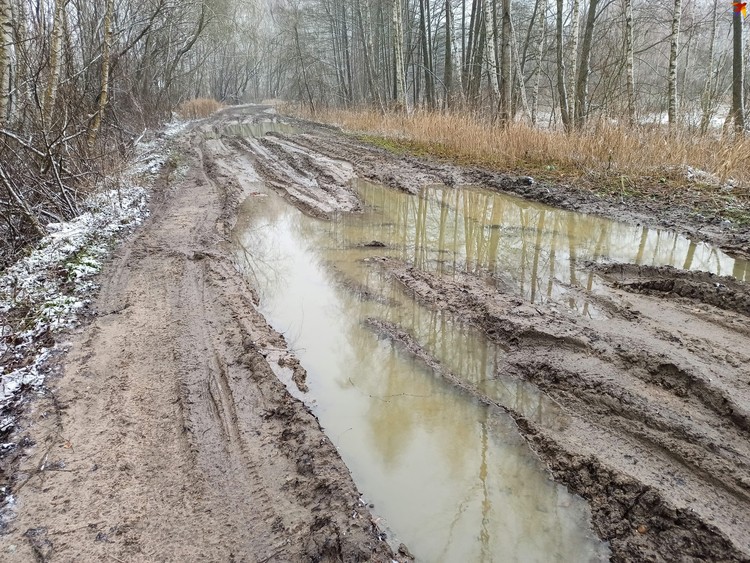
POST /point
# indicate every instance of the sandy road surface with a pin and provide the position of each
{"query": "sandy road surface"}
(169, 438)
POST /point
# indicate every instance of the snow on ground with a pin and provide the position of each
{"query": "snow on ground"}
(50, 289)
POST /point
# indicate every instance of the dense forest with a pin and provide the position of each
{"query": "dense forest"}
(79, 80)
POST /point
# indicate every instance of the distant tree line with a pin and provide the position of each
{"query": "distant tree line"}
(80, 79)
(551, 63)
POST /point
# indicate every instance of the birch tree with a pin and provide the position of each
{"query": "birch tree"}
(507, 94)
(489, 44)
(6, 42)
(738, 75)
(562, 91)
(629, 73)
(398, 56)
(674, 44)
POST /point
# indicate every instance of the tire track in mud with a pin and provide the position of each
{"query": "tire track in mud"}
(657, 441)
(176, 441)
(656, 392)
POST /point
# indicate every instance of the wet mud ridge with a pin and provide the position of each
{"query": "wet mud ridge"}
(656, 398)
(169, 437)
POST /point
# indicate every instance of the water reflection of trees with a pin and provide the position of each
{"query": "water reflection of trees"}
(489, 479)
(532, 245)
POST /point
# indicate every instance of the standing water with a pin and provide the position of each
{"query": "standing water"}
(449, 476)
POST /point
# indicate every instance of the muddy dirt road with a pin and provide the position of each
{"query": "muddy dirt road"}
(170, 438)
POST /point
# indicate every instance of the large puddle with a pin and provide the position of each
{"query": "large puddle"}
(449, 476)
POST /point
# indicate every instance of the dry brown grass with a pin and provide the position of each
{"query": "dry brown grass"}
(198, 108)
(603, 153)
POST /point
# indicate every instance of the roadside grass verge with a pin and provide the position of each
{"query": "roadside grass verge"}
(709, 174)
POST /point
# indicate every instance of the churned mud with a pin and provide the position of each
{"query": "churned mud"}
(657, 395)
(656, 384)
(169, 437)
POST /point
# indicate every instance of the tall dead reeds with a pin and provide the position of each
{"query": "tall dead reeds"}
(601, 150)
(198, 108)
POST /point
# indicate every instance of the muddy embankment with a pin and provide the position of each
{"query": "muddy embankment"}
(169, 437)
(656, 387)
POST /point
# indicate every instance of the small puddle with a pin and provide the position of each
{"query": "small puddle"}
(258, 129)
(449, 476)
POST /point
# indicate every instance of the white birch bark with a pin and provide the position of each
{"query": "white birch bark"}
(674, 44)
(489, 24)
(6, 41)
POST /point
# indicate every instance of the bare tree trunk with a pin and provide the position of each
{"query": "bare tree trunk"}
(506, 112)
(367, 55)
(738, 76)
(542, 26)
(104, 90)
(55, 61)
(347, 55)
(629, 77)
(6, 42)
(674, 44)
(472, 55)
(519, 72)
(449, 66)
(398, 55)
(489, 23)
(561, 86)
(708, 90)
(582, 82)
(429, 72)
(303, 68)
(571, 82)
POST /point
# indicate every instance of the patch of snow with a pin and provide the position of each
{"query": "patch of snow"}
(50, 285)
(174, 128)
(46, 291)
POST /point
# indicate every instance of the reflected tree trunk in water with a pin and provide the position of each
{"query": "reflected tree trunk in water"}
(444, 202)
(469, 225)
(552, 252)
(572, 254)
(601, 241)
(420, 231)
(537, 250)
(741, 269)
(641, 246)
(690, 255)
(496, 227)
(524, 251)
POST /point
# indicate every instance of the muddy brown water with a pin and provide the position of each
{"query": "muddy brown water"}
(448, 476)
